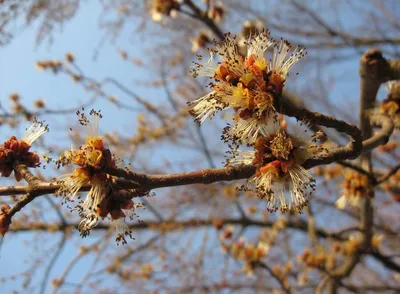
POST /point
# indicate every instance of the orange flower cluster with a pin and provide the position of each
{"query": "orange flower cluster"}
(54, 65)
(356, 187)
(92, 157)
(159, 8)
(93, 160)
(200, 42)
(13, 152)
(317, 259)
(246, 252)
(391, 105)
(278, 158)
(248, 84)
(347, 248)
(217, 12)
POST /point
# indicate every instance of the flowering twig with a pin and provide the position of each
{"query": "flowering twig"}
(263, 265)
(204, 176)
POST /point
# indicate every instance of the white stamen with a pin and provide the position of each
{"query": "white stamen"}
(259, 44)
(206, 107)
(92, 128)
(34, 132)
(281, 66)
(70, 186)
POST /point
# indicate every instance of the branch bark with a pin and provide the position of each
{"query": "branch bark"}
(374, 70)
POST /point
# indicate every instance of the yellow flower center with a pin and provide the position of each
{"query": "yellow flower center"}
(94, 158)
(261, 63)
(281, 146)
(239, 96)
(246, 78)
(78, 157)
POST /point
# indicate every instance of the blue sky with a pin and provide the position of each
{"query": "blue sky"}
(18, 74)
(80, 36)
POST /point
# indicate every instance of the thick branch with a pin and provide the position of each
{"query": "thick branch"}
(382, 136)
(374, 70)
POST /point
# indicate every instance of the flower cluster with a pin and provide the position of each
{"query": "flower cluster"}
(319, 259)
(15, 151)
(216, 12)
(246, 252)
(200, 42)
(250, 85)
(54, 65)
(159, 8)
(356, 187)
(283, 272)
(392, 186)
(249, 28)
(391, 105)
(247, 84)
(278, 158)
(93, 159)
(354, 242)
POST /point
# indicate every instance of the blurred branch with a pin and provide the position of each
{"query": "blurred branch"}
(297, 224)
(387, 176)
(263, 265)
(374, 70)
(381, 137)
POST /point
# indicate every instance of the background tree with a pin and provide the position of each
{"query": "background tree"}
(196, 237)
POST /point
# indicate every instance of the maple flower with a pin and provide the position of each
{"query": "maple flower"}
(33, 133)
(200, 41)
(391, 105)
(251, 27)
(248, 130)
(356, 188)
(246, 252)
(119, 216)
(278, 158)
(92, 159)
(16, 151)
(159, 8)
(237, 79)
(280, 65)
(248, 84)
